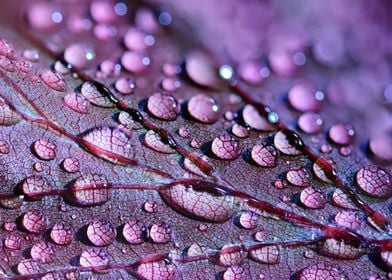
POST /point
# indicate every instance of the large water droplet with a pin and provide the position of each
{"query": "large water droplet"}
(163, 106)
(53, 80)
(269, 254)
(133, 232)
(320, 271)
(153, 141)
(62, 233)
(231, 255)
(341, 134)
(34, 221)
(304, 98)
(40, 16)
(203, 108)
(340, 199)
(381, 147)
(13, 242)
(89, 190)
(283, 144)
(156, 269)
(42, 252)
(200, 69)
(134, 62)
(28, 267)
(8, 116)
(312, 198)
(298, 176)
(125, 86)
(134, 40)
(349, 219)
(103, 11)
(77, 102)
(310, 123)
(96, 94)
(4, 147)
(78, 55)
(386, 257)
(45, 149)
(235, 273)
(264, 155)
(34, 187)
(255, 120)
(320, 173)
(93, 258)
(374, 181)
(340, 249)
(101, 232)
(226, 147)
(193, 168)
(160, 233)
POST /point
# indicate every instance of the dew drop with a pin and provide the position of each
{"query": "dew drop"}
(240, 131)
(345, 151)
(8, 116)
(70, 165)
(184, 132)
(310, 123)
(231, 255)
(248, 220)
(374, 181)
(133, 62)
(110, 68)
(101, 233)
(160, 233)
(125, 86)
(42, 252)
(349, 219)
(341, 134)
(7, 64)
(304, 98)
(203, 108)
(252, 72)
(255, 120)
(340, 249)
(283, 144)
(163, 106)
(78, 55)
(156, 269)
(62, 233)
(6, 49)
(320, 271)
(340, 199)
(320, 173)
(34, 221)
(312, 198)
(326, 148)
(89, 190)
(153, 141)
(150, 206)
(235, 273)
(269, 254)
(27, 267)
(199, 202)
(103, 11)
(134, 40)
(9, 226)
(195, 250)
(199, 68)
(31, 55)
(381, 147)
(13, 242)
(34, 187)
(280, 184)
(96, 94)
(298, 176)
(193, 168)
(11, 203)
(226, 147)
(53, 80)
(4, 147)
(264, 155)
(133, 232)
(45, 149)
(38, 166)
(386, 257)
(93, 258)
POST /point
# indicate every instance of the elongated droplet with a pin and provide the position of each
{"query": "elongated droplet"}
(231, 255)
(93, 258)
(153, 141)
(340, 249)
(8, 116)
(89, 190)
(54, 80)
(268, 254)
(156, 269)
(255, 120)
(77, 102)
(96, 94)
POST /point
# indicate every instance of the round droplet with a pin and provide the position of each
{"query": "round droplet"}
(203, 108)
(13, 242)
(45, 149)
(40, 16)
(101, 232)
(53, 80)
(341, 134)
(374, 181)
(320, 173)
(349, 219)
(298, 176)
(184, 132)
(160, 233)
(133, 62)
(252, 72)
(6, 49)
(7, 64)
(381, 147)
(231, 255)
(280, 184)
(96, 94)
(340, 199)
(226, 147)
(163, 106)
(160, 269)
(125, 86)
(264, 155)
(193, 168)
(8, 116)
(304, 98)
(110, 68)
(240, 131)
(312, 198)
(153, 140)
(4, 147)
(150, 206)
(89, 190)
(34, 187)
(62, 233)
(169, 84)
(235, 273)
(103, 11)
(134, 40)
(255, 120)
(42, 252)
(133, 232)
(71, 165)
(200, 69)
(320, 271)
(248, 220)
(310, 123)
(28, 267)
(34, 221)
(268, 254)
(283, 144)
(93, 258)
(326, 148)
(78, 55)
(340, 249)
(345, 151)
(31, 55)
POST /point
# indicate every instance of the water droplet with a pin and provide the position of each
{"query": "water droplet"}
(255, 120)
(93, 258)
(231, 255)
(298, 176)
(101, 232)
(134, 40)
(200, 69)
(381, 146)
(153, 141)
(282, 63)
(109, 143)
(193, 168)
(226, 147)
(31, 55)
(38, 166)
(341, 134)
(248, 220)
(197, 201)
(252, 72)
(125, 86)
(27, 267)
(9, 226)
(96, 94)
(226, 72)
(203, 108)
(11, 203)
(310, 123)
(77, 102)
(42, 252)
(304, 98)
(62, 233)
(312, 198)
(163, 106)
(349, 219)
(133, 232)
(13, 242)
(7, 64)
(160, 233)
(184, 132)
(340, 199)
(89, 190)
(45, 149)
(326, 148)
(280, 184)
(156, 269)
(320, 271)
(169, 84)
(71, 165)
(269, 254)
(4, 147)
(309, 254)
(240, 131)
(345, 151)
(34, 187)
(374, 181)
(235, 273)
(34, 221)
(78, 55)
(264, 155)
(340, 249)
(320, 173)
(39, 15)
(386, 257)
(133, 62)
(6, 49)
(53, 80)
(8, 116)
(283, 144)
(103, 11)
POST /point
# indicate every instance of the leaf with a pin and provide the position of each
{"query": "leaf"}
(154, 141)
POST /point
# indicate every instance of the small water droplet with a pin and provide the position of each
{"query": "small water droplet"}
(96, 94)
(134, 40)
(283, 144)
(70, 164)
(150, 206)
(226, 72)
(280, 184)
(101, 232)
(231, 255)
(78, 55)
(169, 84)
(31, 55)
(345, 151)
(11, 203)
(93, 258)
(200, 69)
(256, 121)
(203, 108)
(269, 254)
(4, 147)
(62, 233)
(7, 64)
(160, 233)
(28, 267)
(153, 141)
(45, 149)
(13, 242)
(310, 123)
(264, 155)
(312, 198)
(252, 72)
(340, 199)
(163, 106)
(326, 148)
(298, 176)
(34, 221)
(53, 80)
(103, 11)
(342, 134)
(349, 219)
(320, 173)
(34, 187)
(133, 62)
(374, 181)
(320, 271)
(6, 49)
(8, 116)
(240, 131)
(125, 86)
(133, 232)
(184, 132)
(304, 98)
(234, 273)
(248, 220)
(226, 147)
